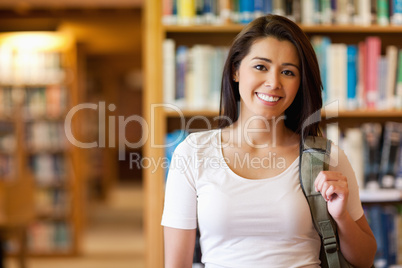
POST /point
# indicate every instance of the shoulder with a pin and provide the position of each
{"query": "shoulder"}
(202, 139)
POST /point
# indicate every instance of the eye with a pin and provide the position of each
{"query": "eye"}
(288, 73)
(260, 67)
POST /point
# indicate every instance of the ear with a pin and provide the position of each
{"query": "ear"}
(235, 75)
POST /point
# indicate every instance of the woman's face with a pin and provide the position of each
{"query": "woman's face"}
(269, 77)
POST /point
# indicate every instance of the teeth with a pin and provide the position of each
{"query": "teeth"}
(267, 98)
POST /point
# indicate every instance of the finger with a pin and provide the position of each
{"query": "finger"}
(319, 181)
(324, 190)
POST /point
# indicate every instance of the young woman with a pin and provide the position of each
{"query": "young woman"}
(240, 183)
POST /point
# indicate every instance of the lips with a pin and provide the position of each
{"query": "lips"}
(268, 98)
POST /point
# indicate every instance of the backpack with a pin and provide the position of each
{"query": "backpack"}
(314, 157)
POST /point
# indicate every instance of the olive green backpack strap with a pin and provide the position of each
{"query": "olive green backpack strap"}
(314, 157)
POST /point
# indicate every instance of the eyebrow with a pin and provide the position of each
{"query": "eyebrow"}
(270, 61)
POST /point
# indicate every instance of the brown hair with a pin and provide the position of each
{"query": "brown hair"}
(308, 98)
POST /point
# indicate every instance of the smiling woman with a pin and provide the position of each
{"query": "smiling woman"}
(251, 210)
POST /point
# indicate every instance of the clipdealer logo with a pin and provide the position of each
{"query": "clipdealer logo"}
(112, 124)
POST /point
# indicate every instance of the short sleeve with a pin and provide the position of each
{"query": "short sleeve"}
(180, 208)
(340, 163)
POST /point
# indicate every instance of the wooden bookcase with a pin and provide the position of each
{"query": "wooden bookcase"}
(160, 121)
(35, 98)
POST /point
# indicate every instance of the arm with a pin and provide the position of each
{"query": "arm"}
(179, 247)
(357, 241)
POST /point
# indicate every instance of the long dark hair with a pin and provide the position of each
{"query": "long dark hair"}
(308, 99)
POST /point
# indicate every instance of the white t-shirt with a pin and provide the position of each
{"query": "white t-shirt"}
(243, 222)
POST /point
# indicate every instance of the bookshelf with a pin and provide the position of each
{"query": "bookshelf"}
(38, 84)
(161, 121)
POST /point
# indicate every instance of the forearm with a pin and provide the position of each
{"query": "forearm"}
(357, 242)
(179, 247)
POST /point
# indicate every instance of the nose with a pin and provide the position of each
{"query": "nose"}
(273, 80)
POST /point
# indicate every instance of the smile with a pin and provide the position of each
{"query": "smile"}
(267, 97)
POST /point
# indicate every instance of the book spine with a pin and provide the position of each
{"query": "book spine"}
(209, 12)
(258, 8)
(169, 70)
(354, 150)
(382, 12)
(199, 12)
(337, 74)
(392, 58)
(396, 18)
(351, 77)
(391, 143)
(307, 8)
(267, 8)
(398, 177)
(326, 12)
(382, 83)
(398, 91)
(342, 15)
(278, 7)
(371, 149)
(167, 12)
(235, 12)
(373, 56)
(181, 68)
(186, 11)
(364, 12)
(224, 11)
(246, 11)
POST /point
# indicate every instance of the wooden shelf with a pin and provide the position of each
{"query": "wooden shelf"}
(234, 28)
(369, 113)
(63, 44)
(190, 113)
(342, 113)
(381, 196)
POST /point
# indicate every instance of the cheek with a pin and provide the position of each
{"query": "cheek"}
(293, 88)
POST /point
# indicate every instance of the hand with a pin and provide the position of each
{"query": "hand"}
(333, 186)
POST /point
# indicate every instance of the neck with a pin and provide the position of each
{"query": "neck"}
(261, 132)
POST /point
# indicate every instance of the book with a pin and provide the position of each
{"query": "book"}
(376, 225)
(373, 53)
(326, 12)
(392, 60)
(168, 17)
(186, 12)
(246, 11)
(342, 16)
(389, 164)
(396, 16)
(173, 139)
(382, 75)
(169, 71)
(258, 8)
(371, 153)
(383, 222)
(398, 90)
(199, 12)
(351, 77)
(353, 147)
(398, 179)
(278, 7)
(382, 12)
(181, 69)
(235, 10)
(210, 12)
(337, 74)
(224, 11)
(362, 73)
(307, 9)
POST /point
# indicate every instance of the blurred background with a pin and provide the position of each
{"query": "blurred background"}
(70, 203)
